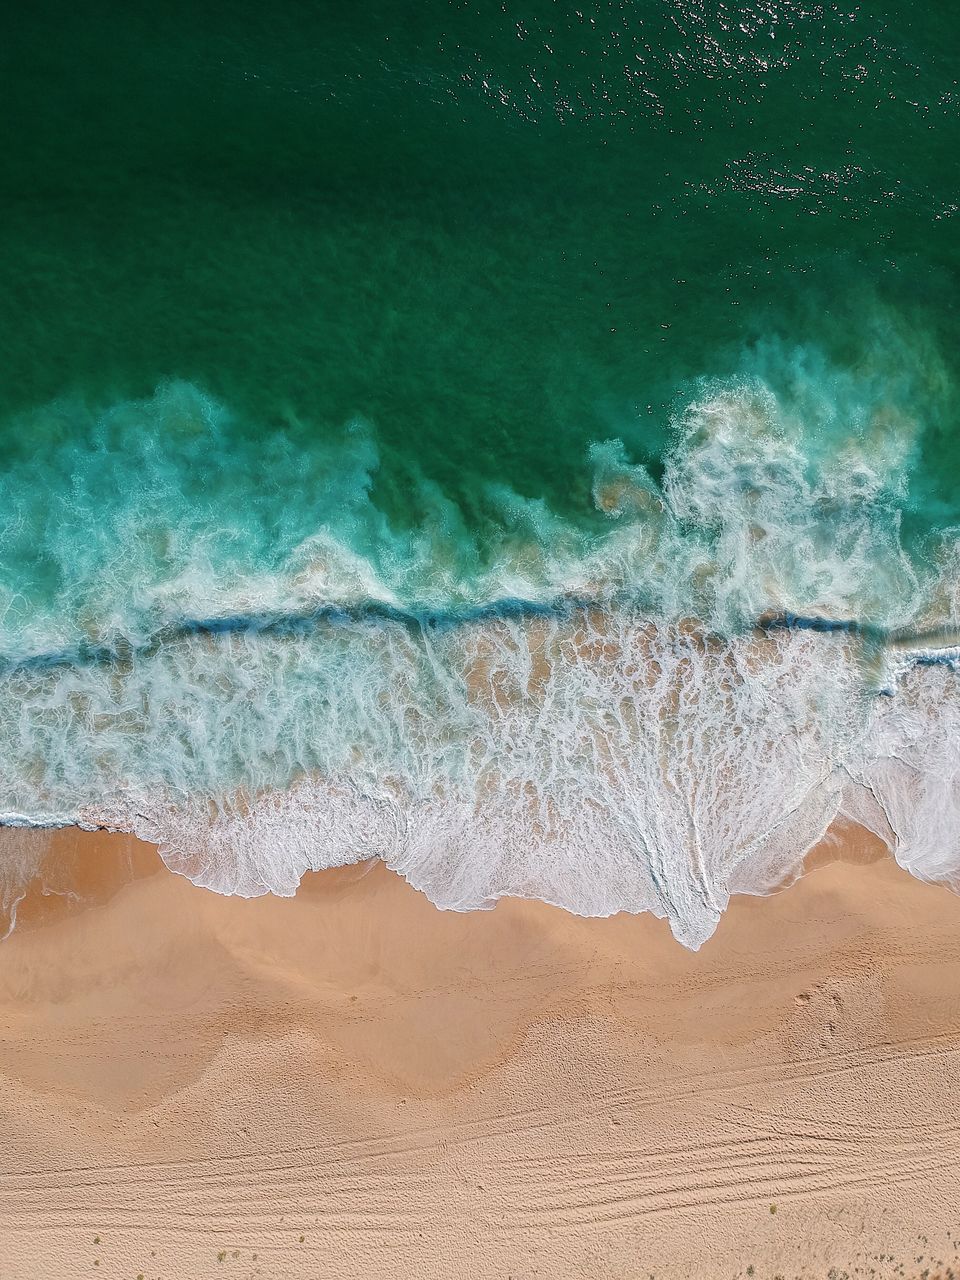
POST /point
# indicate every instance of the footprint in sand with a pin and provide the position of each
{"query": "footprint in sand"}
(835, 1016)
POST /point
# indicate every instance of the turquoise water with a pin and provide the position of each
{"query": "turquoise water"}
(504, 439)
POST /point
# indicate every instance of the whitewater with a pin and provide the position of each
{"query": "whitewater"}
(651, 707)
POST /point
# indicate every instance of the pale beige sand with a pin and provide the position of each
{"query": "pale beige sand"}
(352, 1084)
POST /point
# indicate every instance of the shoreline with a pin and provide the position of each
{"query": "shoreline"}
(536, 744)
(351, 1082)
(83, 865)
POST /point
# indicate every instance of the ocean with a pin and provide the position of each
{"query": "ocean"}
(516, 441)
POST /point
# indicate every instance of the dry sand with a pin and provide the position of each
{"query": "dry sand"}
(353, 1084)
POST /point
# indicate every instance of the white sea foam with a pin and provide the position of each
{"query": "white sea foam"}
(584, 713)
(596, 760)
(774, 496)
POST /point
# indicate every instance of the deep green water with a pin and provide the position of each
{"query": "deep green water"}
(312, 305)
(496, 233)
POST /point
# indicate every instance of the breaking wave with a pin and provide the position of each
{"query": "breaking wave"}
(648, 705)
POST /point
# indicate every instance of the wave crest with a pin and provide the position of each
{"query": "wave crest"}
(648, 706)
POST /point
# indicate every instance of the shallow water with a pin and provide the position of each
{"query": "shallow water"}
(520, 443)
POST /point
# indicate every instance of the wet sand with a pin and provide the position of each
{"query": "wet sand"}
(352, 1083)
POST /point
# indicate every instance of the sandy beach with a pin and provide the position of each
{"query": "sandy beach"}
(352, 1083)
